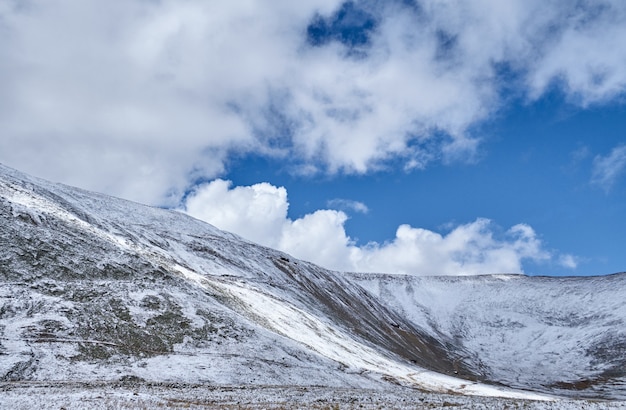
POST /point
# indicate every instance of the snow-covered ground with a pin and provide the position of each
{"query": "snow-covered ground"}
(142, 396)
(99, 290)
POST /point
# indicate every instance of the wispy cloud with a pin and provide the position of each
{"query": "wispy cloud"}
(579, 155)
(348, 205)
(138, 98)
(608, 169)
(568, 261)
(259, 213)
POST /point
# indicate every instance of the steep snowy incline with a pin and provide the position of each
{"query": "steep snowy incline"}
(97, 288)
(557, 335)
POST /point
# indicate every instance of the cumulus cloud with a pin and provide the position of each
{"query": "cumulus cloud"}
(608, 169)
(139, 98)
(259, 213)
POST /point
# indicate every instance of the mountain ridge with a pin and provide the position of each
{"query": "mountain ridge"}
(99, 288)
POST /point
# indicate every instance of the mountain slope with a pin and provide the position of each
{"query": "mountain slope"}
(94, 288)
(97, 288)
(556, 335)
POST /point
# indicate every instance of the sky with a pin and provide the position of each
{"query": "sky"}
(422, 137)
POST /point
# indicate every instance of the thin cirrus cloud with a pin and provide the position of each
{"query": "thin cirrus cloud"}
(259, 212)
(348, 205)
(140, 98)
(608, 169)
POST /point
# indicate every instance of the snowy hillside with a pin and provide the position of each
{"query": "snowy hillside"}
(557, 335)
(97, 289)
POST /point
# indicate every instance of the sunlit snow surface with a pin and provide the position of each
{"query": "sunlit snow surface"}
(100, 290)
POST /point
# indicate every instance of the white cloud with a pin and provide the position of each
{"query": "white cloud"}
(608, 169)
(585, 53)
(348, 205)
(259, 213)
(568, 261)
(138, 98)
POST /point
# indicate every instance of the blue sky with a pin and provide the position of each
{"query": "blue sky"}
(536, 167)
(417, 136)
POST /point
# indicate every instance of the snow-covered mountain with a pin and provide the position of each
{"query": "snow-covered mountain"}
(94, 288)
(558, 335)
